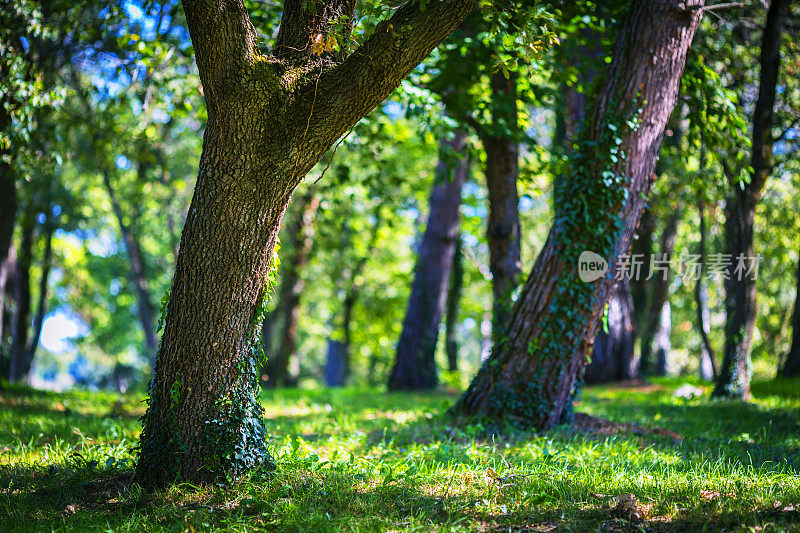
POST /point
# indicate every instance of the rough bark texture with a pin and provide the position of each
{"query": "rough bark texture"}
(454, 291)
(708, 363)
(530, 377)
(612, 352)
(301, 238)
(740, 288)
(791, 367)
(22, 295)
(415, 363)
(137, 274)
(268, 124)
(502, 171)
(653, 361)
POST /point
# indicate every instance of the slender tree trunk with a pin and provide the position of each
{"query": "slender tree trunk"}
(41, 309)
(301, 239)
(740, 287)
(650, 362)
(454, 291)
(791, 367)
(708, 363)
(8, 213)
(502, 171)
(642, 249)
(415, 363)
(529, 378)
(144, 303)
(612, 353)
(22, 295)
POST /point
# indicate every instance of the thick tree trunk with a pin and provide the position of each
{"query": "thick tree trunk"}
(791, 368)
(708, 363)
(137, 274)
(454, 291)
(415, 363)
(269, 122)
(612, 352)
(651, 362)
(502, 171)
(22, 295)
(529, 378)
(41, 306)
(740, 287)
(301, 238)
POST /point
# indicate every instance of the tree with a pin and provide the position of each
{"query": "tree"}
(612, 352)
(415, 363)
(740, 286)
(791, 367)
(270, 119)
(530, 377)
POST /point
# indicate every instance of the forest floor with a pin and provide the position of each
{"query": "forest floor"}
(644, 456)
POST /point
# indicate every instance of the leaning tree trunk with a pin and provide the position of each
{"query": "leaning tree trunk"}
(502, 171)
(22, 295)
(651, 362)
(791, 367)
(270, 120)
(454, 290)
(137, 274)
(529, 378)
(612, 352)
(301, 238)
(415, 363)
(740, 287)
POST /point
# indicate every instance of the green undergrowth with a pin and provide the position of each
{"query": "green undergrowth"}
(361, 459)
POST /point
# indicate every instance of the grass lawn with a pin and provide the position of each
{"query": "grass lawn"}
(360, 459)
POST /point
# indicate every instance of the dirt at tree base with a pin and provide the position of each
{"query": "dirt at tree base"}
(595, 425)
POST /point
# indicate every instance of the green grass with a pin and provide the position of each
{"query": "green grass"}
(360, 459)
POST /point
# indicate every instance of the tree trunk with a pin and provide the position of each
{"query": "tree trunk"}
(415, 363)
(301, 238)
(791, 368)
(269, 122)
(708, 363)
(642, 248)
(654, 319)
(137, 275)
(454, 291)
(612, 354)
(22, 295)
(8, 213)
(502, 171)
(337, 362)
(41, 309)
(740, 287)
(529, 378)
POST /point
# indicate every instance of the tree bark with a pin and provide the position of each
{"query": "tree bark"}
(41, 306)
(415, 362)
(791, 367)
(529, 378)
(650, 362)
(740, 287)
(612, 352)
(301, 238)
(137, 272)
(454, 290)
(8, 213)
(22, 295)
(269, 123)
(502, 171)
(708, 362)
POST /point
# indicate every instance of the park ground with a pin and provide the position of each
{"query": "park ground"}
(648, 456)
